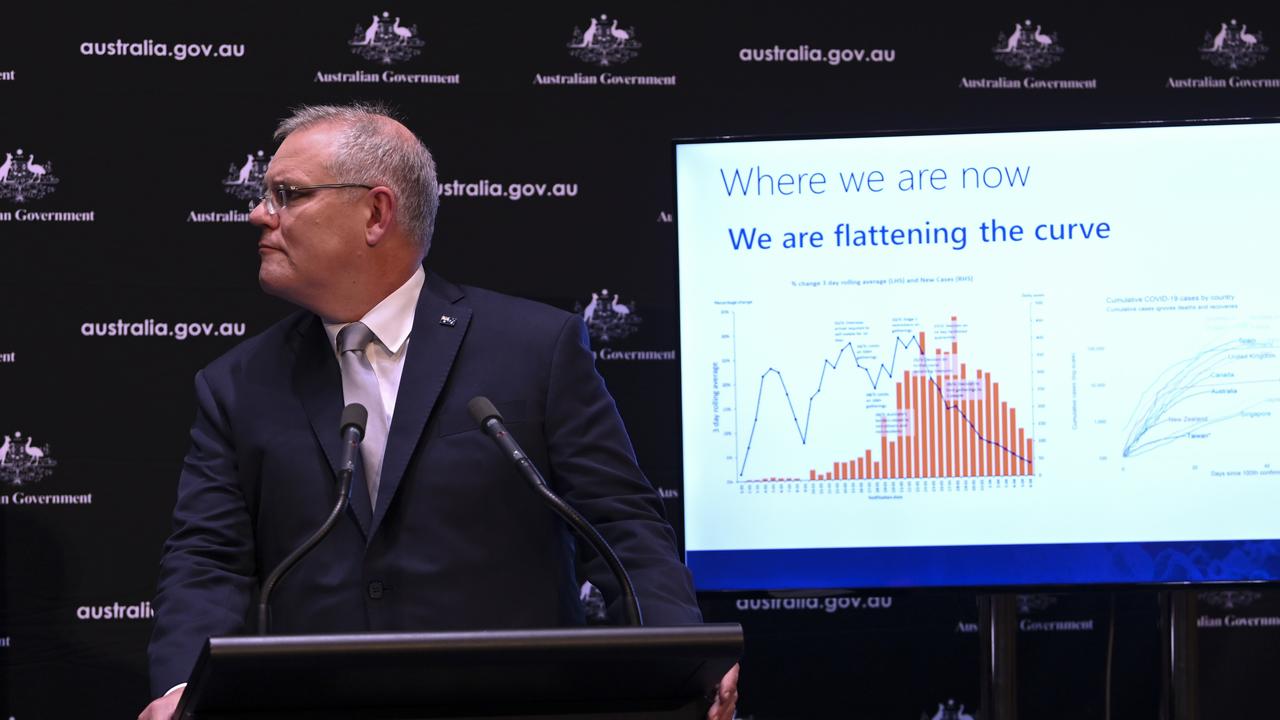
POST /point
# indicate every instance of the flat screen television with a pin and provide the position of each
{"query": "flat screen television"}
(981, 359)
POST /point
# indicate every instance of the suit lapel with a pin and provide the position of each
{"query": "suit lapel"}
(317, 381)
(439, 324)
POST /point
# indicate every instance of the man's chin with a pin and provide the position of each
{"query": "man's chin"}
(272, 284)
(287, 289)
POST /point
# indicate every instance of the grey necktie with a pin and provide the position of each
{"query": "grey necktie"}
(360, 385)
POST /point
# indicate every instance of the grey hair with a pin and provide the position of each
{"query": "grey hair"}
(369, 152)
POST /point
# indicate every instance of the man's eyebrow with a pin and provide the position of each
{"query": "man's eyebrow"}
(278, 181)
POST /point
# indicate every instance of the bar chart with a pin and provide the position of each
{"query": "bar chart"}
(947, 421)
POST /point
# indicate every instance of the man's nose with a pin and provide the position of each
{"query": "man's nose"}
(260, 217)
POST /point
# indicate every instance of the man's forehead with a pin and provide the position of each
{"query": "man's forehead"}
(288, 171)
(293, 167)
(303, 154)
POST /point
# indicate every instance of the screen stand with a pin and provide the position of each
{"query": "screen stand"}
(1180, 696)
(998, 634)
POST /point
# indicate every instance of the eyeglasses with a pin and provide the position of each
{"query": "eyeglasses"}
(278, 199)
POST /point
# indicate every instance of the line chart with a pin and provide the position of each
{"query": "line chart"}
(1229, 381)
(945, 422)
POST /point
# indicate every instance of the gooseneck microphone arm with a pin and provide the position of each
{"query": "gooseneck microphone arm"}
(487, 416)
(354, 419)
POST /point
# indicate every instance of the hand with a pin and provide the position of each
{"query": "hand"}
(162, 708)
(726, 697)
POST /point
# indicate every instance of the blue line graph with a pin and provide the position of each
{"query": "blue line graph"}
(1221, 383)
(874, 379)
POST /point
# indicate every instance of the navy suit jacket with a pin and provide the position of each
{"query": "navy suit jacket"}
(457, 540)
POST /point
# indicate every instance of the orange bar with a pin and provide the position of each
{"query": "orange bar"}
(944, 428)
(904, 454)
(889, 467)
(1015, 447)
(917, 440)
(993, 406)
(930, 464)
(828, 477)
(984, 386)
(974, 444)
(904, 424)
(974, 438)
(876, 470)
(920, 403)
(942, 420)
(931, 412)
(866, 463)
(1004, 437)
(927, 427)
(1031, 465)
(1011, 451)
(939, 418)
(884, 450)
(957, 422)
(970, 467)
(940, 414)
(1022, 443)
(984, 404)
(813, 475)
(913, 414)
(962, 424)
(967, 428)
(922, 427)
(956, 419)
(948, 421)
(1010, 435)
(862, 473)
(993, 449)
(902, 440)
(998, 435)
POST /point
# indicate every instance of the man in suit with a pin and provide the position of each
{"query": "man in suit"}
(441, 533)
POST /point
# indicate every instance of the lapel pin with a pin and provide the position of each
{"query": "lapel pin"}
(448, 320)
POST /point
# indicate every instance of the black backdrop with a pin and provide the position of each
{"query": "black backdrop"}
(133, 224)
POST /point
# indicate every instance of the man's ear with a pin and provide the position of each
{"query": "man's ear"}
(382, 213)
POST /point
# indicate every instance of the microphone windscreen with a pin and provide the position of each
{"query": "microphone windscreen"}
(354, 414)
(482, 410)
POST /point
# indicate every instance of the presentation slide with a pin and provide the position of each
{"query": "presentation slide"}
(1015, 358)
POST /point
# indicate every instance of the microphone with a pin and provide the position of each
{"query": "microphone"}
(490, 421)
(354, 419)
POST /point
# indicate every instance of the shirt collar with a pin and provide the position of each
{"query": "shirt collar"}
(392, 319)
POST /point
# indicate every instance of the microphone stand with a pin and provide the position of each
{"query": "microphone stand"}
(354, 418)
(483, 411)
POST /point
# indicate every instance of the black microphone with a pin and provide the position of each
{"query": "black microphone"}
(490, 420)
(354, 419)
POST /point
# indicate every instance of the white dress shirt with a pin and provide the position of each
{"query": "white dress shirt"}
(391, 320)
